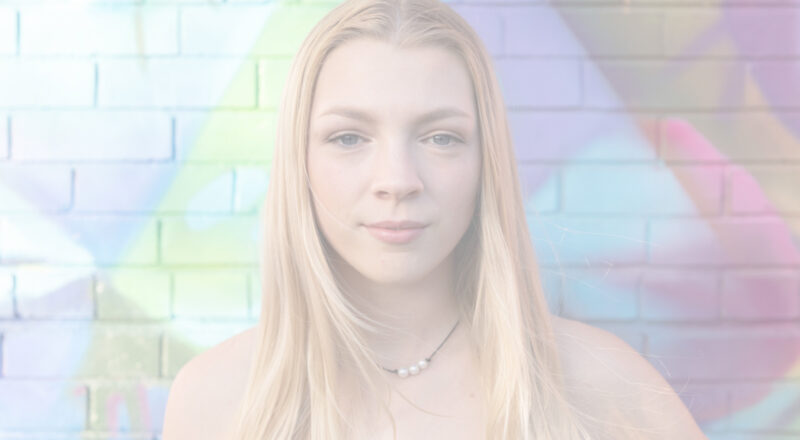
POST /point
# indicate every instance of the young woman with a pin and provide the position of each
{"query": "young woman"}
(401, 297)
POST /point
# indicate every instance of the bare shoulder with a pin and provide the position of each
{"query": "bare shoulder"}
(591, 355)
(207, 390)
(613, 382)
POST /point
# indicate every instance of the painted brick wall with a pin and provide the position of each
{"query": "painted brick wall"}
(659, 151)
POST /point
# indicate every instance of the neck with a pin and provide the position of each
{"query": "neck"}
(413, 317)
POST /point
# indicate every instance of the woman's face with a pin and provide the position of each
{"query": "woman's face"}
(393, 136)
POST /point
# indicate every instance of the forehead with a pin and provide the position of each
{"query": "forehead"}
(379, 76)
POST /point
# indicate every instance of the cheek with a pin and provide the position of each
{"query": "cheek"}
(332, 189)
(460, 186)
(321, 195)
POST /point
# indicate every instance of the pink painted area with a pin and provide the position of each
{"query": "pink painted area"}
(761, 295)
(113, 404)
(707, 402)
(679, 295)
(731, 355)
(766, 239)
(745, 194)
(722, 242)
(689, 144)
(779, 180)
(702, 184)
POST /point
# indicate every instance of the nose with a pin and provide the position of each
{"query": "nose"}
(396, 173)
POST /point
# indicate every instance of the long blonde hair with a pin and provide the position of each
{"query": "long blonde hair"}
(308, 331)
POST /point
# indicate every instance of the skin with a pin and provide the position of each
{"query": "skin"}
(392, 165)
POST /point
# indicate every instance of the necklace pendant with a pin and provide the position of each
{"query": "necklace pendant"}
(420, 365)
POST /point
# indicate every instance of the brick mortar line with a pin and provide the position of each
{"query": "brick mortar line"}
(96, 84)
(8, 136)
(178, 24)
(162, 355)
(14, 299)
(173, 139)
(719, 294)
(18, 43)
(234, 184)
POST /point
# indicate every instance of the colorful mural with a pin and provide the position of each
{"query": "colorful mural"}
(659, 153)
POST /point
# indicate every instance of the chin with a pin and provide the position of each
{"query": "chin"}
(395, 276)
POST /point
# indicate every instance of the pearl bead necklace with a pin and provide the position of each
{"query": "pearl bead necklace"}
(421, 365)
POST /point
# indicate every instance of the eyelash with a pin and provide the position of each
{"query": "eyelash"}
(452, 137)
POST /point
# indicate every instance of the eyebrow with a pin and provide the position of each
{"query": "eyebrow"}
(354, 113)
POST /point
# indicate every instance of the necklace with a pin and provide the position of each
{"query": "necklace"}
(421, 365)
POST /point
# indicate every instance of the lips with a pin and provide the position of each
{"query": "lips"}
(395, 236)
(397, 225)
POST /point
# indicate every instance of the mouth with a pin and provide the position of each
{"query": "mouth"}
(397, 225)
(395, 235)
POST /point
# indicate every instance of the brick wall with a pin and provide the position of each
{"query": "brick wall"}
(658, 149)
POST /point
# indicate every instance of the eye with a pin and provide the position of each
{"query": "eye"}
(348, 137)
(446, 137)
